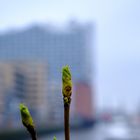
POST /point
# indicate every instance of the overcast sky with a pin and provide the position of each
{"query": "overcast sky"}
(117, 46)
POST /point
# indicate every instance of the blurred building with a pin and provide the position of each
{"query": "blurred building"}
(57, 47)
(22, 82)
(83, 95)
(5, 84)
(30, 86)
(70, 45)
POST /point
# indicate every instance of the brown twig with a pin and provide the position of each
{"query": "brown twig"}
(32, 132)
(66, 121)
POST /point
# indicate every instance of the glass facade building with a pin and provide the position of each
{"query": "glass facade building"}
(55, 48)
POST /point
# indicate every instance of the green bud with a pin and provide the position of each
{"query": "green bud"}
(66, 83)
(26, 116)
(54, 138)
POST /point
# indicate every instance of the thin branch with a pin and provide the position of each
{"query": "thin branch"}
(32, 132)
(66, 122)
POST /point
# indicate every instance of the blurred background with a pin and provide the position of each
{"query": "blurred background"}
(99, 40)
